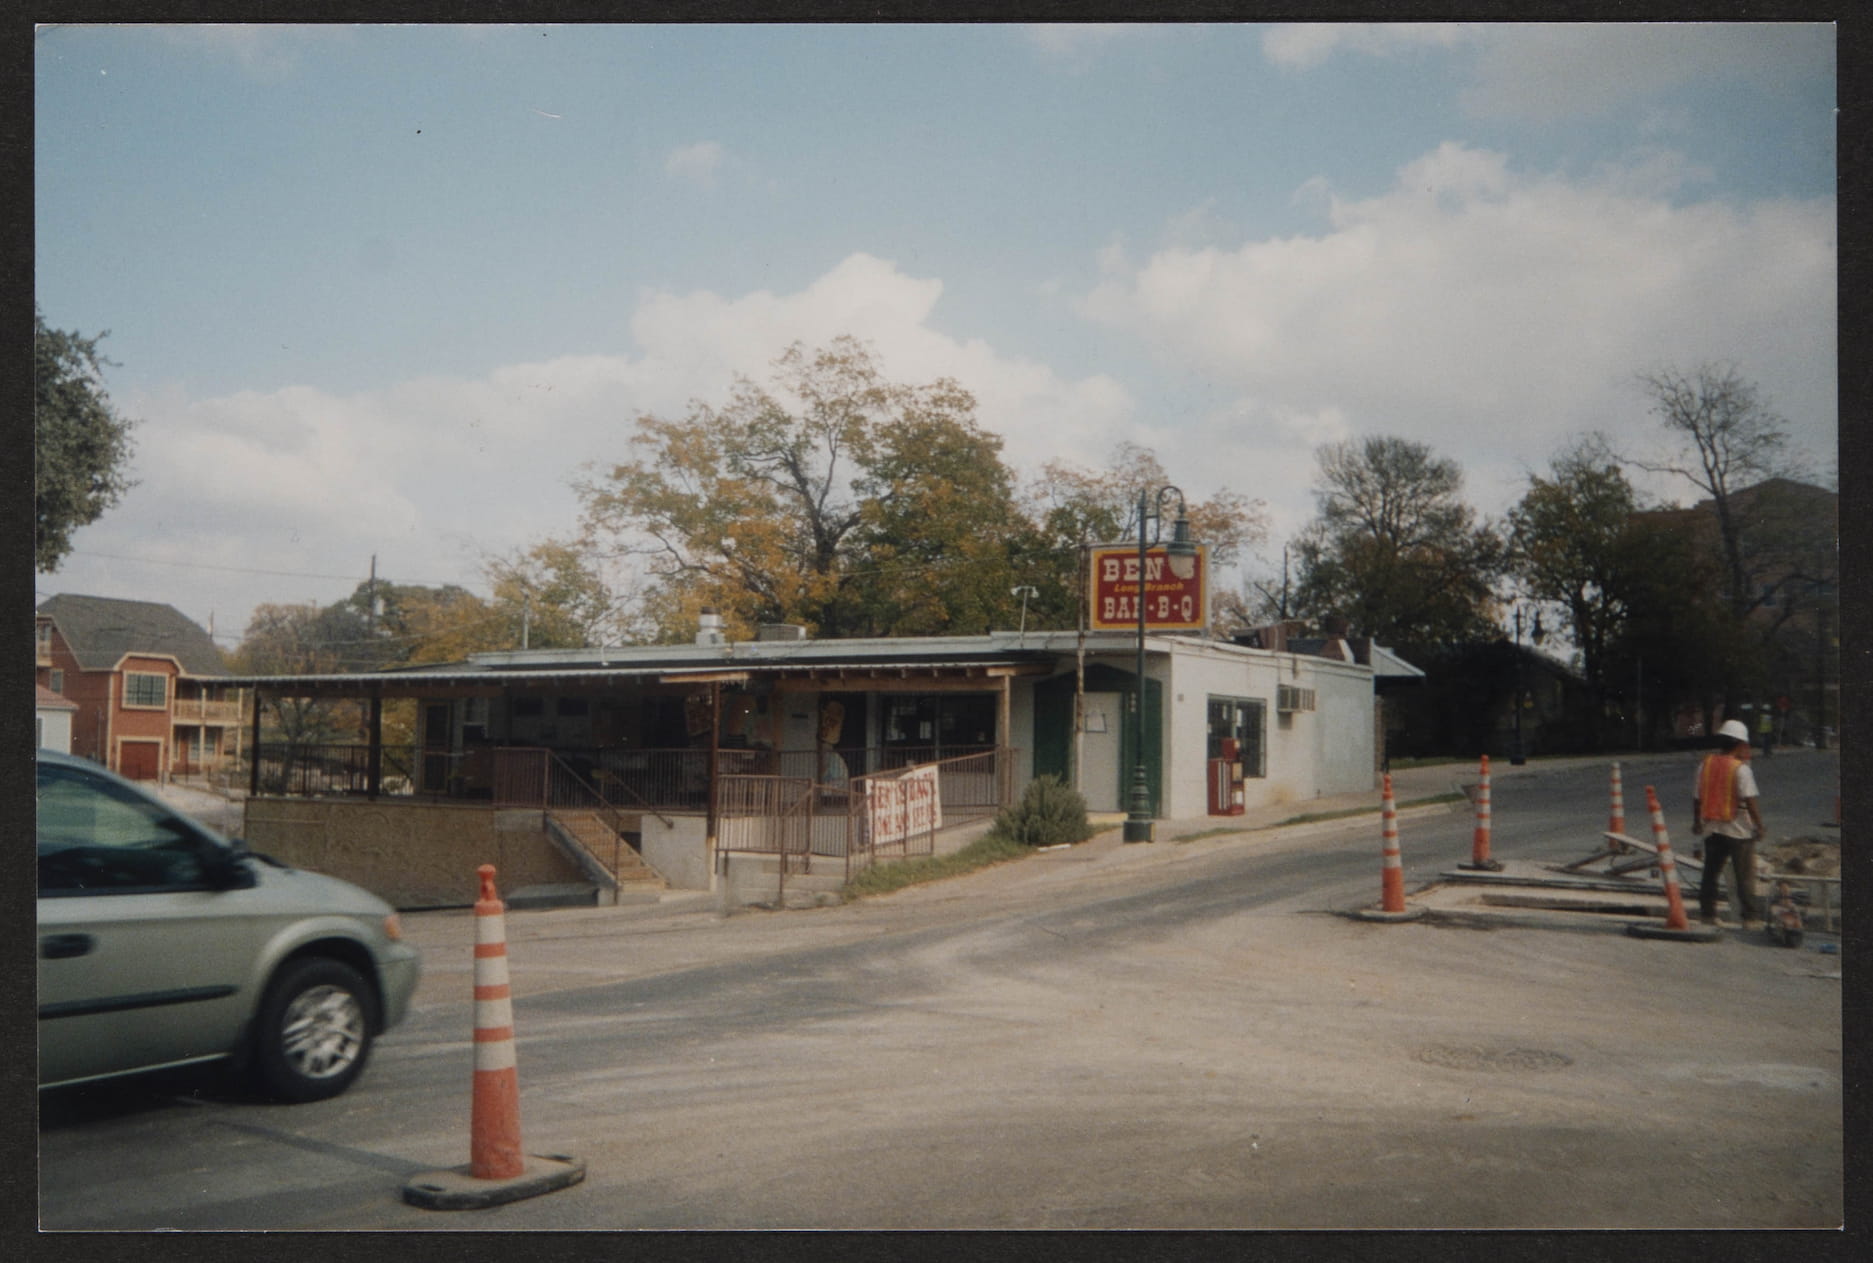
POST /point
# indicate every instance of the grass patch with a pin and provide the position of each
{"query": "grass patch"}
(984, 852)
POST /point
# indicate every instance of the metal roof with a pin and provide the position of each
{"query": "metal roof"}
(367, 681)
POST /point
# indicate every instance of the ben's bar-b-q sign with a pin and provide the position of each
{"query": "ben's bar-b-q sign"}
(1171, 603)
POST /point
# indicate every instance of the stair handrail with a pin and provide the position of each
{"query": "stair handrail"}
(610, 810)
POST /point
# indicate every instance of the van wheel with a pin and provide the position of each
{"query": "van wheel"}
(313, 1034)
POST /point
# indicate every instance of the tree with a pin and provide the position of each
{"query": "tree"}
(1727, 438)
(1070, 507)
(776, 507)
(1776, 538)
(81, 444)
(296, 640)
(551, 596)
(1393, 548)
(939, 531)
(1575, 540)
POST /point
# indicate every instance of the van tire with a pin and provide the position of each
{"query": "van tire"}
(313, 1034)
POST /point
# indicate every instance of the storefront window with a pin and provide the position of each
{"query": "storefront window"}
(1243, 722)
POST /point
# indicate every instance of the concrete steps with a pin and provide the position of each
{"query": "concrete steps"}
(607, 859)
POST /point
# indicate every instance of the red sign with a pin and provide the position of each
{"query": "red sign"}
(1171, 603)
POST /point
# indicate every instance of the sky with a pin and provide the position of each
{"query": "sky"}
(387, 291)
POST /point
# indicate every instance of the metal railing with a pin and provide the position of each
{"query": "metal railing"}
(975, 781)
(798, 819)
(314, 770)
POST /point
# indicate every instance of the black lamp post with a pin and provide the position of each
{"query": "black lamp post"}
(1181, 553)
(1518, 754)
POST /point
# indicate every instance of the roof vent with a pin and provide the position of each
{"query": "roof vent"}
(781, 631)
(709, 628)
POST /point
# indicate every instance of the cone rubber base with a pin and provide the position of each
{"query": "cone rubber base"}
(1380, 914)
(1487, 866)
(456, 1189)
(1695, 934)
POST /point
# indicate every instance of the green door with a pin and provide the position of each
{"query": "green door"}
(1053, 728)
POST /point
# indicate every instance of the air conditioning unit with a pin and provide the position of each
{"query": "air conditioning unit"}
(1291, 698)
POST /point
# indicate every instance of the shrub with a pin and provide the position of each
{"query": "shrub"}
(1049, 814)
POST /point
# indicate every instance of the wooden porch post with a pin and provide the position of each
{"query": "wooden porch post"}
(1004, 721)
(715, 750)
(253, 766)
(374, 759)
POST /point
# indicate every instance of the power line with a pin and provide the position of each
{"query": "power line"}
(286, 574)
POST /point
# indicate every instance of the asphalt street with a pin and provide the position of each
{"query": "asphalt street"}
(1179, 1035)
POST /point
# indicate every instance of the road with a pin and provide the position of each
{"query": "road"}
(1185, 1035)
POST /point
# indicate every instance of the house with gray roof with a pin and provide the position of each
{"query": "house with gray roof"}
(151, 693)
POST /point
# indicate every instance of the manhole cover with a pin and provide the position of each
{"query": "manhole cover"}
(1476, 1057)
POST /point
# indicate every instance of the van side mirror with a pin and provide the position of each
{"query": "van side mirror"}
(227, 870)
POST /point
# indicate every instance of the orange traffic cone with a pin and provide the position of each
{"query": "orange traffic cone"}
(1667, 867)
(1616, 817)
(1391, 868)
(497, 1171)
(494, 1119)
(1479, 842)
(1676, 925)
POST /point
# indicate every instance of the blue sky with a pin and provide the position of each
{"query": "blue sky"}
(384, 290)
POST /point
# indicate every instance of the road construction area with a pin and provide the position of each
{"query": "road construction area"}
(1193, 1033)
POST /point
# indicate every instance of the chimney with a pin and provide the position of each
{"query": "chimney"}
(709, 627)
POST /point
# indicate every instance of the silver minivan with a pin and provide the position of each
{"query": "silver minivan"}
(163, 944)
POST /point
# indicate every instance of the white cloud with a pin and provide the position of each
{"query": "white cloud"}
(1546, 70)
(1076, 44)
(697, 163)
(1490, 313)
(1304, 45)
(1543, 70)
(433, 472)
(267, 51)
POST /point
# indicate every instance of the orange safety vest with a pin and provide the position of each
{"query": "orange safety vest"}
(1716, 788)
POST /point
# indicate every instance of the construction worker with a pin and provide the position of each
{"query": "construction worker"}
(1724, 802)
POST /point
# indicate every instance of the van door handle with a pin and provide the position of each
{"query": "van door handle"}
(65, 946)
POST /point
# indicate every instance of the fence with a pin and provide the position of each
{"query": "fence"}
(869, 819)
(972, 783)
(316, 770)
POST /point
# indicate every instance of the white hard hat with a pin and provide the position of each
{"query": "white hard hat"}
(1734, 730)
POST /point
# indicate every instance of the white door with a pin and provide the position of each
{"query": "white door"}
(1099, 751)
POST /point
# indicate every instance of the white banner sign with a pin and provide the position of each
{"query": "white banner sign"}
(905, 806)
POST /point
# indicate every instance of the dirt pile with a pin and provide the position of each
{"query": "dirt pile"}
(1812, 857)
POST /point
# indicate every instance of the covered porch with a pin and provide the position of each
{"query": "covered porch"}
(623, 768)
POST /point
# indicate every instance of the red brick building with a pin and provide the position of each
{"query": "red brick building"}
(147, 684)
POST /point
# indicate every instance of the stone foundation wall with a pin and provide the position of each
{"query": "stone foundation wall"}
(413, 855)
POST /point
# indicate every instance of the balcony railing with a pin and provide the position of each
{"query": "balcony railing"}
(195, 710)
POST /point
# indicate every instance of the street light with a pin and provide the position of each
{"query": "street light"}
(1181, 553)
(1518, 754)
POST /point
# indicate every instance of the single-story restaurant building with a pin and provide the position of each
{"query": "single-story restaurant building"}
(661, 761)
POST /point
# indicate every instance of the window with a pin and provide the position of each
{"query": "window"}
(96, 837)
(939, 725)
(571, 706)
(58, 681)
(146, 690)
(43, 635)
(1243, 721)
